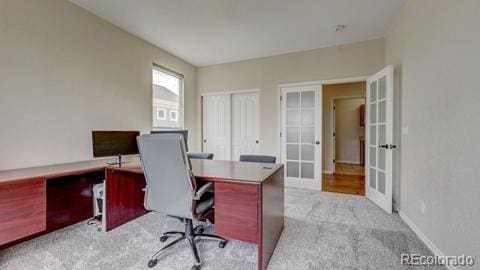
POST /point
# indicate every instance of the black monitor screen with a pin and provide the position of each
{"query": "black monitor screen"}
(112, 143)
(183, 132)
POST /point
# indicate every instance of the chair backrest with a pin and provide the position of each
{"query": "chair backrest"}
(258, 158)
(200, 155)
(170, 182)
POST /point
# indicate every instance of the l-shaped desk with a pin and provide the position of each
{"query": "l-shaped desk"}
(249, 199)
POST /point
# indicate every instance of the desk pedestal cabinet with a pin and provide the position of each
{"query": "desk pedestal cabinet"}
(34, 206)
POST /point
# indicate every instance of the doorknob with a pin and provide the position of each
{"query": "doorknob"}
(387, 146)
(317, 142)
(256, 141)
(204, 141)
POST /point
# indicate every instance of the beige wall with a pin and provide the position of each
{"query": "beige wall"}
(434, 46)
(348, 130)
(65, 72)
(266, 74)
(329, 91)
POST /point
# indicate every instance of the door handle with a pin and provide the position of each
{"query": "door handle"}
(204, 141)
(317, 142)
(256, 141)
(387, 146)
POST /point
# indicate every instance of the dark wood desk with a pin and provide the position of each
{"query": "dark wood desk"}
(249, 200)
(35, 201)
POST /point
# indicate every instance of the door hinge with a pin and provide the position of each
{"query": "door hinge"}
(281, 98)
(333, 134)
(280, 134)
(334, 107)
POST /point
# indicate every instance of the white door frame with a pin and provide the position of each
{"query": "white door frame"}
(307, 83)
(332, 123)
(230, 93)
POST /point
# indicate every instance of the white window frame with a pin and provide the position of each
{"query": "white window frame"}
(181, 102)
(164, 114)
(175, 112)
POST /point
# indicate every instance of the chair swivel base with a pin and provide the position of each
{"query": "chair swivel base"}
(189, 235)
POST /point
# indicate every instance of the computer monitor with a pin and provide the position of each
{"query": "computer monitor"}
(114, 143)
(183, 132)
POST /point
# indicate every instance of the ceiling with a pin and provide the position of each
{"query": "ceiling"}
(207, 32)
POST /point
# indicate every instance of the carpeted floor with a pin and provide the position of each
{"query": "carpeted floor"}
(322, 231)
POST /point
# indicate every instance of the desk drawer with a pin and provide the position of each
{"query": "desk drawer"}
(22, 209)
(236, 211)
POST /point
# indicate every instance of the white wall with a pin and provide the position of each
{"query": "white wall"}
(435, 47)
(348, 130)
(266, 74)
(65, 72)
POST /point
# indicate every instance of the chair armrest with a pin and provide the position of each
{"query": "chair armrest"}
(198, 194)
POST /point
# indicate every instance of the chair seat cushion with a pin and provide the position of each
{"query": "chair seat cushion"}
(204, 206)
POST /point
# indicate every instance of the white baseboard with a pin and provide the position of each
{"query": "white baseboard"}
(348, 162)
(435, 250)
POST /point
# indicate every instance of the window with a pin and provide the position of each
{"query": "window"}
(173, 115)
(161, 114)
(167, 96)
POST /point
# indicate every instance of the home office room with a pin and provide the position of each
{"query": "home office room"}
(226, 134)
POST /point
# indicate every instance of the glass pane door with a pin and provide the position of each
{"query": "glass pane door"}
(380, 138)
(301, 139)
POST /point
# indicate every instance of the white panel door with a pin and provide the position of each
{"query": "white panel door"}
(301, 136)
(216, 126)
(379, 138)
(245, 124)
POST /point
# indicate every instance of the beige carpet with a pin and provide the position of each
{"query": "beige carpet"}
(322, 231)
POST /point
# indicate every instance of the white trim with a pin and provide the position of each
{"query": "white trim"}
(230, 92)
(330, 81)
(348, 162)
(433, 248)
(332, 126)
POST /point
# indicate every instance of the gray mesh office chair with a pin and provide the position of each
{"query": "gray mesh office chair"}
(258, 158)
(172, 190)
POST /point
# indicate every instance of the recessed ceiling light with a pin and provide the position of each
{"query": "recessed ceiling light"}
(340, 27)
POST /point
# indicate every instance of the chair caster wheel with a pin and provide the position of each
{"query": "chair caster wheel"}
(200, 229)
(196, 267)
(163, 238)
(152, 263)
(222, 244)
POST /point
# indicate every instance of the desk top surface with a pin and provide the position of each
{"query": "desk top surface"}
(218, 170)
(52, 171)
(206, 169)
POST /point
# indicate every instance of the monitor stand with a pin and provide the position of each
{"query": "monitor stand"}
(119, 162)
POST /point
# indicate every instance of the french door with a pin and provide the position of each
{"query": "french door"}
(301, 136)
(379, 138)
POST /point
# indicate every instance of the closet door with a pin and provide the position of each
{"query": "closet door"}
(245, 124)
(216, 126)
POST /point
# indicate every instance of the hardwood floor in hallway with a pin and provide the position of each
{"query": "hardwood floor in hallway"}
(348, 178)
